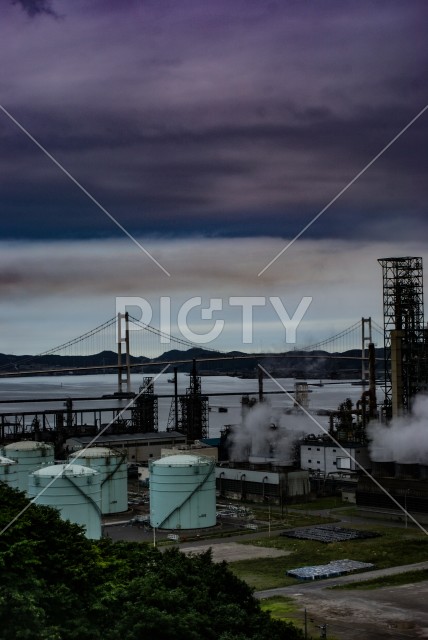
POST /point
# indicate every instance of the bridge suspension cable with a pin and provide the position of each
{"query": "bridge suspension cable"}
(104, 338)
(152, 342)
(169, 337)
(379, 330)
(339, 336)
(84, 336)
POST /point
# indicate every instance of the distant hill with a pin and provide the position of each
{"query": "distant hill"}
(296, 364)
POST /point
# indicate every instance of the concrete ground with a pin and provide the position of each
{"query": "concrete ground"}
(389, 613)
(233, 551)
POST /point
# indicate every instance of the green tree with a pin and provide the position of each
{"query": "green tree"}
(57, 585)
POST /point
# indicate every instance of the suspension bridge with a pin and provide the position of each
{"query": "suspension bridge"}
(125, 342)
(108, 348)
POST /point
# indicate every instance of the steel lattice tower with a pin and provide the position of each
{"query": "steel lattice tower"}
(193, 420)
(145, 409)
(405, 335)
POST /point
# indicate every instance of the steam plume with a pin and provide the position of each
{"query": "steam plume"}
(405, 440)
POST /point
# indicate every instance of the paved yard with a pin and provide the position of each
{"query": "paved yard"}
(232, 551)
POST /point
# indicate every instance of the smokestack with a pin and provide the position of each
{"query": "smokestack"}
(372, 381)
(260, 385)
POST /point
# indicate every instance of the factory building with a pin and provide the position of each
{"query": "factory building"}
(322, 456)
(197, 448)
(282, 486)
(140, 447)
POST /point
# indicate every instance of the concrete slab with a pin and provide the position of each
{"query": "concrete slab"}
(233, 551)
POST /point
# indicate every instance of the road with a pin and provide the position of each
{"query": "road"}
(389, 613)
(318, 585)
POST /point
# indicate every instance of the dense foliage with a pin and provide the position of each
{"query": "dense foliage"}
(57, 585)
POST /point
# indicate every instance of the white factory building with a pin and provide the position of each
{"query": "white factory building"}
(324, 457)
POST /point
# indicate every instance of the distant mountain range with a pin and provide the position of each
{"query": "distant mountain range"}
(297, 364)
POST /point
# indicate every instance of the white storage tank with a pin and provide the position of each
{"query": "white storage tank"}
(113, 469)
(29, 455)
(8, 473)
(182, 492)
(72, 489)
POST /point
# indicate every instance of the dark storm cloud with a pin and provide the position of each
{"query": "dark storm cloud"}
(213, 179)
(36, 7)
(217, 118)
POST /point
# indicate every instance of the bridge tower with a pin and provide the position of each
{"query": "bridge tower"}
(123, 373)
(366, 340)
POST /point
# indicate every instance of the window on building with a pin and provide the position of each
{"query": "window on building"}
(309, 461)
(318, 449)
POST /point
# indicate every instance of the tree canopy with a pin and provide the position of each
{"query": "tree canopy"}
(57, 585)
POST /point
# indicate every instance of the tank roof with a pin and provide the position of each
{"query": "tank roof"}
(181, 459)
(93, 452)
(4, 460)
(54, 470)
(27, 445)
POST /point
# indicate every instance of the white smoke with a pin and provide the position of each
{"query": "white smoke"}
(405, 439)
(268, 433)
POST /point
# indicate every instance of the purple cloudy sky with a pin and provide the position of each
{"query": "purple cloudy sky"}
(211, 119)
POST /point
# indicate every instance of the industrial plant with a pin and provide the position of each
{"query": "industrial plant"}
(79, 460)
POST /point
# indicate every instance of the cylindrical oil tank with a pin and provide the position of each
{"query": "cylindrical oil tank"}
(113, 469)
(182, 492)
(8, 472)
(29, 455)
(74, 490)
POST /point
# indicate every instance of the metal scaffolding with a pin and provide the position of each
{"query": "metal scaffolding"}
(192, 410)
(405, 335)
(145, 409)
(193, 421)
